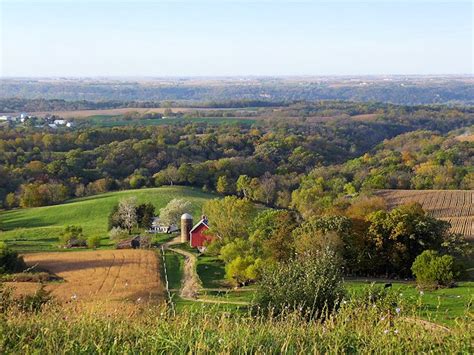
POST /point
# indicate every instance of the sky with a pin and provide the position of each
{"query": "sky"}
(234, 38)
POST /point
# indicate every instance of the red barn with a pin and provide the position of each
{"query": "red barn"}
(197, 236)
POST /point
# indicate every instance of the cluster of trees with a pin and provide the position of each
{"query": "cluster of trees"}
(128, 214)
(369, 239)
(90, 161)
(415, 160)
(265, 162)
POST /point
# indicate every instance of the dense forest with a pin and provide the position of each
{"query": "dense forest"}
(300, 155)
(395, 89)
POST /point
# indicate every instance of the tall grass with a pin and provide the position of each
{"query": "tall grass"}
(353, 328)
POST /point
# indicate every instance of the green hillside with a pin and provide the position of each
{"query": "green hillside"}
(35, 229)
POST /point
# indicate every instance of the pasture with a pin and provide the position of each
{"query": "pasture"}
(108, 280)
(37, 229)
(117, 121)
(454, 206)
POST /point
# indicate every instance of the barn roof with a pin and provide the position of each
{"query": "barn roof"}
(201, 222)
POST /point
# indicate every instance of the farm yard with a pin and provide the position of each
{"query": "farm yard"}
(37, 229)
(454, 206)
(109, 280)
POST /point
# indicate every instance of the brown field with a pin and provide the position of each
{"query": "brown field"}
(114, 278)
(454, 206)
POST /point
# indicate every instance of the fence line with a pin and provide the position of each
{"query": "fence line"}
(170, 301)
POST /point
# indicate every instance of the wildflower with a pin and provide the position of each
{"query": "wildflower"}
(401, 294)
(397, 310)
(344, 302)
(221, 341)
(383, 318)
(395, 331)
(386, 331)
(74, 297)
(373, 306)
(421, 293)
(139, 299)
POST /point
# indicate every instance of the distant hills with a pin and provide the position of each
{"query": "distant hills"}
(406, 90)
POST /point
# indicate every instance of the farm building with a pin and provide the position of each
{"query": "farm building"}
(197, 235)
(158, 227)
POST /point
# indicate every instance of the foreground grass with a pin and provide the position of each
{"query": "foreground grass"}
(37, 229)
(444, 306)
(207, 331)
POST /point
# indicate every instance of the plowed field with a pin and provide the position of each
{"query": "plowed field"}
(113, 278)
(454, 206)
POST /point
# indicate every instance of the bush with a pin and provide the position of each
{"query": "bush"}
(432, 270)
(72, 237)
(10, 261)
(93, 242)
(310, 285)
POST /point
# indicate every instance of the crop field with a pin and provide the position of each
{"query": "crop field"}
(113, 278)
(38, 229)
(454, 206)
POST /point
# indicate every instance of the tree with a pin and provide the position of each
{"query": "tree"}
(272, 234)
(224, 185)
(169, 176)
(402, 234)
(267, 188)
(127, 213)
(243, 186)
(229, 217)
(172, 212)
(433, 270)
(11, 200)
(145, 215)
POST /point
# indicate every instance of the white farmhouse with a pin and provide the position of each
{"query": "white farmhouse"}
(158, 227)
(60, 122)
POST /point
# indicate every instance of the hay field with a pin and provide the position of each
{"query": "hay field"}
(112, 278)
(454, 206)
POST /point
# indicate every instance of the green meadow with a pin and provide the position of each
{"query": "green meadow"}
(119, 120)
(37, 229)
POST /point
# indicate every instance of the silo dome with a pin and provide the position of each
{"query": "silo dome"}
(186, 216)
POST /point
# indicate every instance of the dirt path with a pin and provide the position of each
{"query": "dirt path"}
(191, 285)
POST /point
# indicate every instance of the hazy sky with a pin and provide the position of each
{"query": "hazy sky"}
(158, 38)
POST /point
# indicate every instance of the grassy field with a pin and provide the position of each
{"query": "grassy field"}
(37, 229)
(116, 121)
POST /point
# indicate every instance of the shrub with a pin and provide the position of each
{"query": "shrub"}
(118, 234)
(93, 242)
(432, 270)
(309, 285)
(9, 260)
(72, 237)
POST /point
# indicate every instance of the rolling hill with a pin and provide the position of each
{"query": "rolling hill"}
(34, 229)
